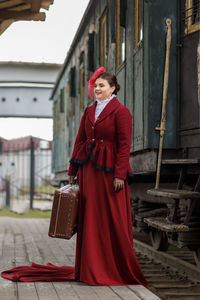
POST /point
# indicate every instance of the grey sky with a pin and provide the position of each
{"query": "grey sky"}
(46, 41)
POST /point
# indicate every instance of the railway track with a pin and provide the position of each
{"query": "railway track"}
(170, 275)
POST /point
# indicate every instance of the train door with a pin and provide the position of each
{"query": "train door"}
(120, 49)
(138, 129)
(189, 85)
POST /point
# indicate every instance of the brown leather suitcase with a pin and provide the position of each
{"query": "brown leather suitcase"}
(63, 222)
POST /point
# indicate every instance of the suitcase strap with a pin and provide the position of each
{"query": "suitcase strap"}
(57, 214)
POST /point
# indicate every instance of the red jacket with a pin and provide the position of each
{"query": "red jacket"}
(105, 142)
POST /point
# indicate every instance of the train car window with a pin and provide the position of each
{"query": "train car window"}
(57, 115)
(62, 106)
(112, 12)
(81, 79)
(192, 16)
(91, 52)
(73, 89)
(121, 31)
(138, 22)
(123, 6)
(62, 99)
(91, 55)
(73, 82)
(67, 114)
(81, 86)
(103, 41)
(54, 119)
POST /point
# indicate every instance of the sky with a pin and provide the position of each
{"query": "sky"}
(47, 41)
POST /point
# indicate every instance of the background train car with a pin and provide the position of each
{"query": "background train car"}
(128, 38)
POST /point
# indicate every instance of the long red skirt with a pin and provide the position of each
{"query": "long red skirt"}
(104, 249)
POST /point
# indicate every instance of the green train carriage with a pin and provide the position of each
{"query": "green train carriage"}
(129, 39)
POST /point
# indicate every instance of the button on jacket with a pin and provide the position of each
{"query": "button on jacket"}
(105, 142)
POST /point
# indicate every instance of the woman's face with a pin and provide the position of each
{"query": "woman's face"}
(102, 89)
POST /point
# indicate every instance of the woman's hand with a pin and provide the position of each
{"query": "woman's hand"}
(71, 179)
(118, 184)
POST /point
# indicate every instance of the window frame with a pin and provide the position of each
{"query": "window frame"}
(137, 39)
(62, 107)
(73, 89)
(67, 96)
(54, 118)
(103, 37)
(119, 61)
(90, 52)
(81, 79)
(189, 27)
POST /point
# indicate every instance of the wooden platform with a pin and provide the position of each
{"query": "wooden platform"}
(162, 223)
(174, 194)
(23, 241)
(181, 161)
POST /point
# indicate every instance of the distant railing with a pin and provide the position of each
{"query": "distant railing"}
(25, 172)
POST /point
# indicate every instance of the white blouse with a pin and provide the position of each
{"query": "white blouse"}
(101, 105)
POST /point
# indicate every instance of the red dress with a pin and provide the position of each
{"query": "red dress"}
(104, 250)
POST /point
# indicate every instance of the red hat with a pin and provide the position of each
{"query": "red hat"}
(92, 80)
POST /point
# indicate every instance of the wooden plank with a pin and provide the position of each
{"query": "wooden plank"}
(46, 3)
(84, 291)
(189, 161)
(169, 285)
(21, 15)
(161, 279)
(151, 213)
(4, 25)
(32, 250)
(1, 242)
(26, 290)
(174, 194)
(46, 291)
(162, 223)
(44, 251)
(174, 262)
(143, 293)
(35, 5)
(24, 7)
(19, 244)
(105, 292)
(32, 233)
(49, 246)
(10, 3)
(8, 288)
(180, 293)
(125, 293)
(8, 254)
(65, 291)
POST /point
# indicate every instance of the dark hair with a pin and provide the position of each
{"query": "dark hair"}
(112, 80)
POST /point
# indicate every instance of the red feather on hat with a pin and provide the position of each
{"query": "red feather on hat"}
(92, 80)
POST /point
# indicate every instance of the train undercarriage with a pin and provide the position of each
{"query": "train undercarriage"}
(170, 214)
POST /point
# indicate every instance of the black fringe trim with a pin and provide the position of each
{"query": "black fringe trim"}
(106, 169)
(78, 162)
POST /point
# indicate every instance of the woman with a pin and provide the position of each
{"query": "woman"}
(104, 249)
(104, 253)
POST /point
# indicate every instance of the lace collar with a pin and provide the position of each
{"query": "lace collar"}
(106, 100)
